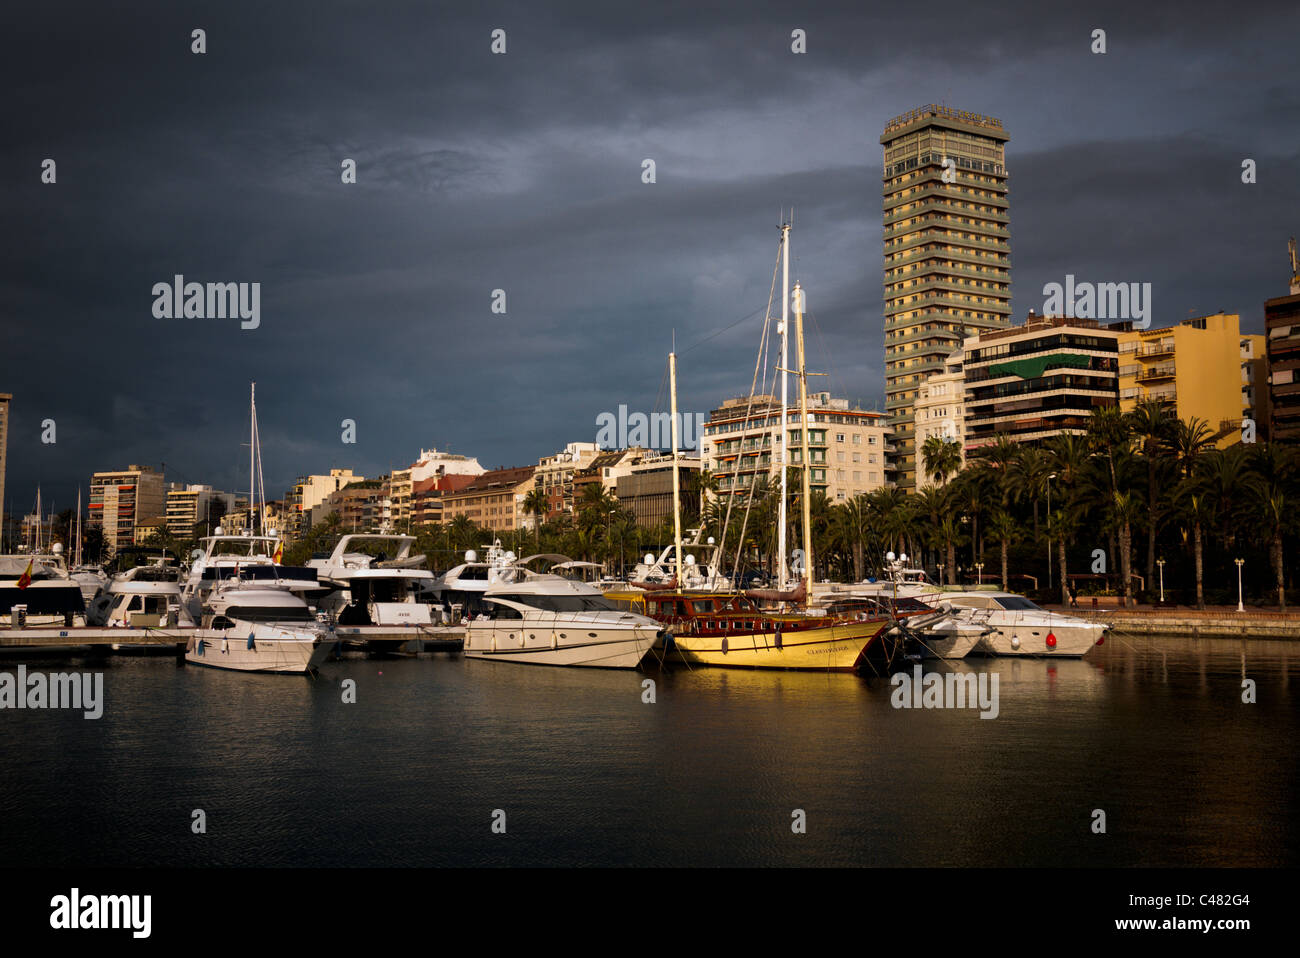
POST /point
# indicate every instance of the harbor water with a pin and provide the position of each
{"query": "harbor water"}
(722, 768)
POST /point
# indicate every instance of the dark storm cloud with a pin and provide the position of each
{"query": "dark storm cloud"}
(522, 172)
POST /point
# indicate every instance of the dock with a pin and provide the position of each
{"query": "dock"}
(1219, 621)
(50, 639)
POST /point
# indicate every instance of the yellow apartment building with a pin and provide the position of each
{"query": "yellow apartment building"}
(1194, 367)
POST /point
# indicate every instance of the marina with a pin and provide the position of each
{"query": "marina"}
(706, 775)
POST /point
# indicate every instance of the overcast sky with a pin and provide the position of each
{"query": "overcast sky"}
(523, 171)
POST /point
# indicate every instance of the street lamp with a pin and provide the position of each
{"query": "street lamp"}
(940, 573)
(979, 573)
(1161, 563)
(1050, 477)
(1240, 563)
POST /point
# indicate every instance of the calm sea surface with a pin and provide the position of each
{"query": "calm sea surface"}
(1152, 731)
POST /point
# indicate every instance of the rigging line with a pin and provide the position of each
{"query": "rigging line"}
(753, 385)
(750, 315)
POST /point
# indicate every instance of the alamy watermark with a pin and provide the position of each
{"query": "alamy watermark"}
(182, 300)
(952, 690)
(76, 911)
(57, 690)
(654, 431)
(1110, 301)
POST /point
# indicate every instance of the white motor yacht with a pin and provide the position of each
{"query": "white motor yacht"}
(459, 591)
(51, 597)
(377, 590)
(256, 627)
(248, 557)
(1019, 627)
(543, 619)
(148, 596)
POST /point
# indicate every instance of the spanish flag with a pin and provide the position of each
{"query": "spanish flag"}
(279, 553)
(25, 579)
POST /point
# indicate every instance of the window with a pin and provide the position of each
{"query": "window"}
(871, 440)
(839, 437)
(857, 439)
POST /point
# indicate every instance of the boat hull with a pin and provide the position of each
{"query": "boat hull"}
(836, 648)
(273, 654)
(1072, 640)
(609, 649)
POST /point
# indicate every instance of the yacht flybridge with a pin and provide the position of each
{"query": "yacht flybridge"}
(544, 619)
(377, 590)
(248, 558)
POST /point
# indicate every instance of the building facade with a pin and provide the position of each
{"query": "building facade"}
(947, 254)
(1282, 327)
(941, 412)
(555, 475)
(119, 499)
(188, 505)
(847, 447)
(309, 492)
(1256, 404)
(1193, 368)
(1043, 379)
(494, 500)
(646, 487)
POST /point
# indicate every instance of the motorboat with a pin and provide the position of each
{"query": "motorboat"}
(35, 589)
(545, 619)
(148, 596)
(459, 592)
(1019, 627)
(248, 557)
(251, 626)
(378, 591)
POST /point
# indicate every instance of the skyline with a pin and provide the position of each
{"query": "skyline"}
(522, 171)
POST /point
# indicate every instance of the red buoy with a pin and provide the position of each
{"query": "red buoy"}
(1051, 640)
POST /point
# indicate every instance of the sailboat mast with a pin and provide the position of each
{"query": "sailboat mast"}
(252, 445)
(803, 438)
(677, 498)
(785, 364)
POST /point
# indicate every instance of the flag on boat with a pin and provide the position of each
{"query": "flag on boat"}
(25, 579)
(279, 553)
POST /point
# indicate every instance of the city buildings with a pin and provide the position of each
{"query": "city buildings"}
(1038, 380)
(947, 251)
(188, 505)
(307, 493)
(1256, 401)
(432, 464)
(426, 497)
(555, 475)
(1194, 368)
(494, 500)
(646, 487)
(847, 446)
(1282, 327)
(120, 499)
(941, 411)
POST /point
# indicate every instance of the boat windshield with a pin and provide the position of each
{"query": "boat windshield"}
(286, 613)
(1017, 603)
(563, 603)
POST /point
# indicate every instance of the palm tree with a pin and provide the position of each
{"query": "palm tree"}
(949, 531)
(1224, 475)
(1194, 506)
(1027, 478)
(1061, 525)
(1108, 433)
(1273, 509)
(941, 457)
(1126, 509)
(537, 505)
(1151, 427)
(1188, 440)
(1006, 529)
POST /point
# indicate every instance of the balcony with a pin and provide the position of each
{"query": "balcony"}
(1152, 373)
(1163, 348)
